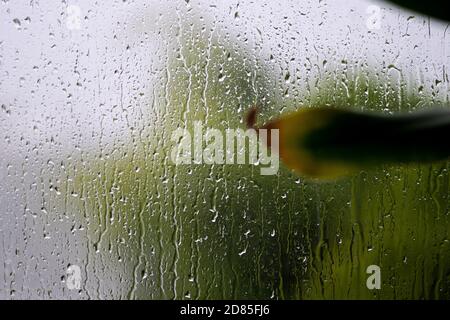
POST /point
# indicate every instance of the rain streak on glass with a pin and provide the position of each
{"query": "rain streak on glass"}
(93, 206)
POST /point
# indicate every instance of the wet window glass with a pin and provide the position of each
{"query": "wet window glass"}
(128, 171)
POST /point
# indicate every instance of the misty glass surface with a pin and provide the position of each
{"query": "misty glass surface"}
(91, 92)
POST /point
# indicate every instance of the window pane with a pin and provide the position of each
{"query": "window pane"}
(94, 206)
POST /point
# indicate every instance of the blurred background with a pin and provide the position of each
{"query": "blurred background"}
(91, 92)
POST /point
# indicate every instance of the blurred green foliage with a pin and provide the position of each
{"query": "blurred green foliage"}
(219, 232)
